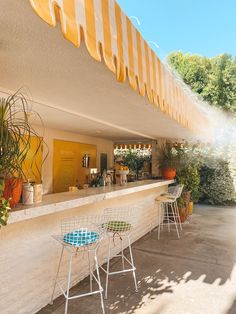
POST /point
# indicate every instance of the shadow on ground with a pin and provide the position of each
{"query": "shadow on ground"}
(195, 275)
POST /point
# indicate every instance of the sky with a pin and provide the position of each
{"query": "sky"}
(204, 27)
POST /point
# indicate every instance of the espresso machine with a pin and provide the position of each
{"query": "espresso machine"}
(92, 177)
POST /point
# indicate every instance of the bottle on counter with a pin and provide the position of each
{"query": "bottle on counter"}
(108, 180)
(38, 193)
(28, 194)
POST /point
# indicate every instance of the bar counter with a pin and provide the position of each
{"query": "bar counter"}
(57, 202)
(29, 255)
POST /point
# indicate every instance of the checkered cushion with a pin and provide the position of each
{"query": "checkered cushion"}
(81, 238)
(118, 226)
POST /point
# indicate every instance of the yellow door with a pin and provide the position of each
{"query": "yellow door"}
(67, 164)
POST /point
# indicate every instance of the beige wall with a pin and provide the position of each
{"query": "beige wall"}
(103, 146)
(155, 156)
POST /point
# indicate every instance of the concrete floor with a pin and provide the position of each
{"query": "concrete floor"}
(193, 275)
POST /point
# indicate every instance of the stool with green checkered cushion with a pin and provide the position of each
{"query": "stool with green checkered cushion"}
(118, 225)
(80, 235)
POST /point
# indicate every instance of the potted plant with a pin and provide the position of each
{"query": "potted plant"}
(4, 206)
(188, 174)
(168, 160)
(182, 208)
(15, 133)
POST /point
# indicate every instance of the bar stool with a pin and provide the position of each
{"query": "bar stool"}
(80, 235)
(168, 212)
(118, 224)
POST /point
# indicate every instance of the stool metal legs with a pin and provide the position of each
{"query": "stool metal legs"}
(99, 283)
(160, 218)
(169, 214)
(58, 269)
(174, 218)
(73, 253)
(177, 214)
(123, 259)
(132, 264)
(90, 274)
(68, 284)
(108, 267)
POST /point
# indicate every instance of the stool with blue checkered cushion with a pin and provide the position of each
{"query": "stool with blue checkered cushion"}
(80, 235)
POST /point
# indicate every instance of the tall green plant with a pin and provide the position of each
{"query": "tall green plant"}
(15, 134)
(188, 171)
(168, 156)
(189, 176)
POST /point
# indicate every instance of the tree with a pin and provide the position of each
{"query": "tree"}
(212, 78)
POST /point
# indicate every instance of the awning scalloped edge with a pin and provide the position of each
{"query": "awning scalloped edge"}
(110, 35)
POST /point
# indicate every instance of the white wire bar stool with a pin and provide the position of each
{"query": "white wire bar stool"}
(80, 235)
(119, 223)
(168, 213)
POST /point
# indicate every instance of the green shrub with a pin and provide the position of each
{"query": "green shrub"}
(216, 183)
(189, 176)
(188, 169)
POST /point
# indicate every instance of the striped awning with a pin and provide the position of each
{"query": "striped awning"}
(110, 35)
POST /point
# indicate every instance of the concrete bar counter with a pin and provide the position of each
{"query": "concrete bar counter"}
(29, 255)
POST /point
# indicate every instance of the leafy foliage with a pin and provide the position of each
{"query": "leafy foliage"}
(135, 161)
(4, 206)
(15, 133)
(189, 176)
(216, 182)
(212, 78)
(188, 170)
(168, 156)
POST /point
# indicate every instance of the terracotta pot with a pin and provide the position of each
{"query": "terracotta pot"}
(13, 189)
(168, 173)
(182, 214)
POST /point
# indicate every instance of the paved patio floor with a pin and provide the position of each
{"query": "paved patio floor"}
(193, 275)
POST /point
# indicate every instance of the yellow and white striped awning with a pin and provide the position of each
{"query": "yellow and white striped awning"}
(110, 35)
